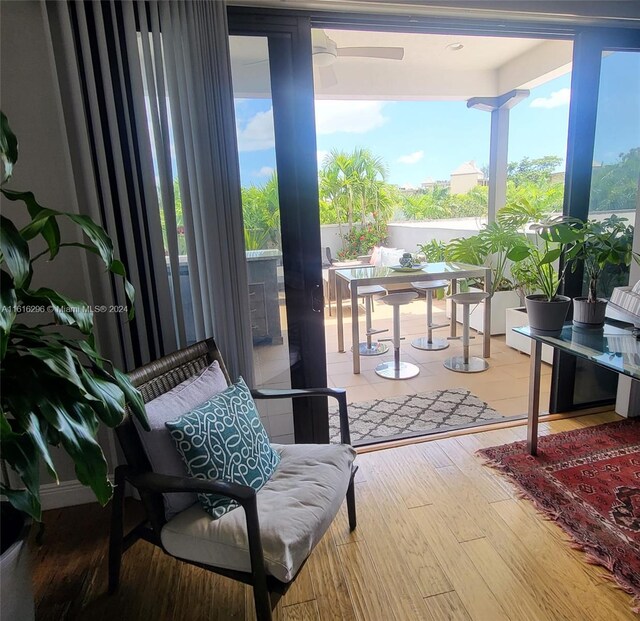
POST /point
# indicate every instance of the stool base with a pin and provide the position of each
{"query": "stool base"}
(405, 370)
(435, 345)
(376, 349)
(473, 365)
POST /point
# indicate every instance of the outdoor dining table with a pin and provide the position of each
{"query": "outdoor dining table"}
(382, 275)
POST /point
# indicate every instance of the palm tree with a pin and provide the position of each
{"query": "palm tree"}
(356, 180)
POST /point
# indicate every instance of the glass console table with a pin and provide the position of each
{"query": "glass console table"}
(614, 347)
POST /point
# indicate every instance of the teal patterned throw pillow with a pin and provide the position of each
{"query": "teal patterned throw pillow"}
(224, 439)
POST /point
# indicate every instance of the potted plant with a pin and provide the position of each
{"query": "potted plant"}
(601, 244)
(498, 246)
(555, 240)
(56, 388)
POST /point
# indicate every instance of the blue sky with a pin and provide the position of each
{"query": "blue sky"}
(422, 141)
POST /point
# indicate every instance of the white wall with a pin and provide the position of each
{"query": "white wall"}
(408, 235)
(330, 237)
(30, 98)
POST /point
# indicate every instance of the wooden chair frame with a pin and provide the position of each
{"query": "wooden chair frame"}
(152, 380)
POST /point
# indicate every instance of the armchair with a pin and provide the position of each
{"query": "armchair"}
(264, 542)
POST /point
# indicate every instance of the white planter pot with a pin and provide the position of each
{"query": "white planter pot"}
(15, 569)
(500, 302)
(515, 318)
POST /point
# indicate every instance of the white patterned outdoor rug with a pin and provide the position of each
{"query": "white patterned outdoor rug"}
(412, 415)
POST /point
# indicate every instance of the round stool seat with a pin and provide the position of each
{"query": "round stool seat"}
(370, 347)
(430, 284)
(428, 343)
(398, 299)
(370, 289)
(467, 363)
(471, 297)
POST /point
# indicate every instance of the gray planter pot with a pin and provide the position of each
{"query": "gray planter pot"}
(15, 566)
(547, 318)
(589, 315)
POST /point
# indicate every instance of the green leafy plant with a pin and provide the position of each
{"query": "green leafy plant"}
(56, 387)
(360, 241)
(524, 276)
(556, 239)
(602, 243)
(433, 251)
(496, 245)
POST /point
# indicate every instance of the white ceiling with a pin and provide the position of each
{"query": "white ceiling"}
(484, 67)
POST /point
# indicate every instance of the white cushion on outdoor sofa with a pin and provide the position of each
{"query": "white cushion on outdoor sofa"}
(295, 508)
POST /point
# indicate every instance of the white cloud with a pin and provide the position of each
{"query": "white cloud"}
(556, 99)
(354, 117)
(265, 171)
(411, 158)
(321, 154)
(257, 134)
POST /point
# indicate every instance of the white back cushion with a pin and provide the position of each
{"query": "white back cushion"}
(157, 443)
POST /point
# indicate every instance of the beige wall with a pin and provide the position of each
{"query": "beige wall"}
(461, 184)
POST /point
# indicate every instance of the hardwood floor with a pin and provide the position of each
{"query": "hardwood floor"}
(439, 537)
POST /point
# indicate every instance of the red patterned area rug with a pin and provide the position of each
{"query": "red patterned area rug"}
(588, 481)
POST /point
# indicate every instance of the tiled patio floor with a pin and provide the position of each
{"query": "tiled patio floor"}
(504, 386)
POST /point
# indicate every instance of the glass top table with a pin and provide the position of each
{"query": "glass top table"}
(614, 347)
(366, 275)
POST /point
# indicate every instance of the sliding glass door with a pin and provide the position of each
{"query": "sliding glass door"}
(603, 180)
(604, 108)
(273, 91)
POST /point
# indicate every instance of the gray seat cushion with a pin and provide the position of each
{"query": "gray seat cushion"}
(295, 507)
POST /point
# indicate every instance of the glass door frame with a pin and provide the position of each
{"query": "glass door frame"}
(289, 41)
(589, 45)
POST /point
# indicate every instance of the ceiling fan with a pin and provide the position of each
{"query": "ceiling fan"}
(325, 52)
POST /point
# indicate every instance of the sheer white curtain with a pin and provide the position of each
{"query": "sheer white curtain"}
(148, 99)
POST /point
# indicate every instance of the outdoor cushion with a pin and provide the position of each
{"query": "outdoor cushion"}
(295, 508)
(390, 256)
(157, 443)
(223, 439)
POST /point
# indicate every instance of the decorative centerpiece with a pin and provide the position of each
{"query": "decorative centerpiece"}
(406, 260)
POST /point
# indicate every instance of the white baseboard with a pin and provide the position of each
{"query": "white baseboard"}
(66, 494)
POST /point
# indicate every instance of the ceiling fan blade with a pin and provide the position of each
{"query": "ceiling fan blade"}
(389, 53)
(327, 77)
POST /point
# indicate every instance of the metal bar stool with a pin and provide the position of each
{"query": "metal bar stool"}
(466, 363)
(371, 348)
(428, 342)
(395, 369)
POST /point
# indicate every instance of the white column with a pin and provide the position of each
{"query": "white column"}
(498, 160)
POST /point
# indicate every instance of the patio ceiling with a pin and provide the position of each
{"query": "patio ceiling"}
(431, 69)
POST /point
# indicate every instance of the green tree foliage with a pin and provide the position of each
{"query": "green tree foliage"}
(536, 171)
(353, 187)
(177, 201)
(354, 192)
(261, 215)
(614, 187)
(528, 181)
